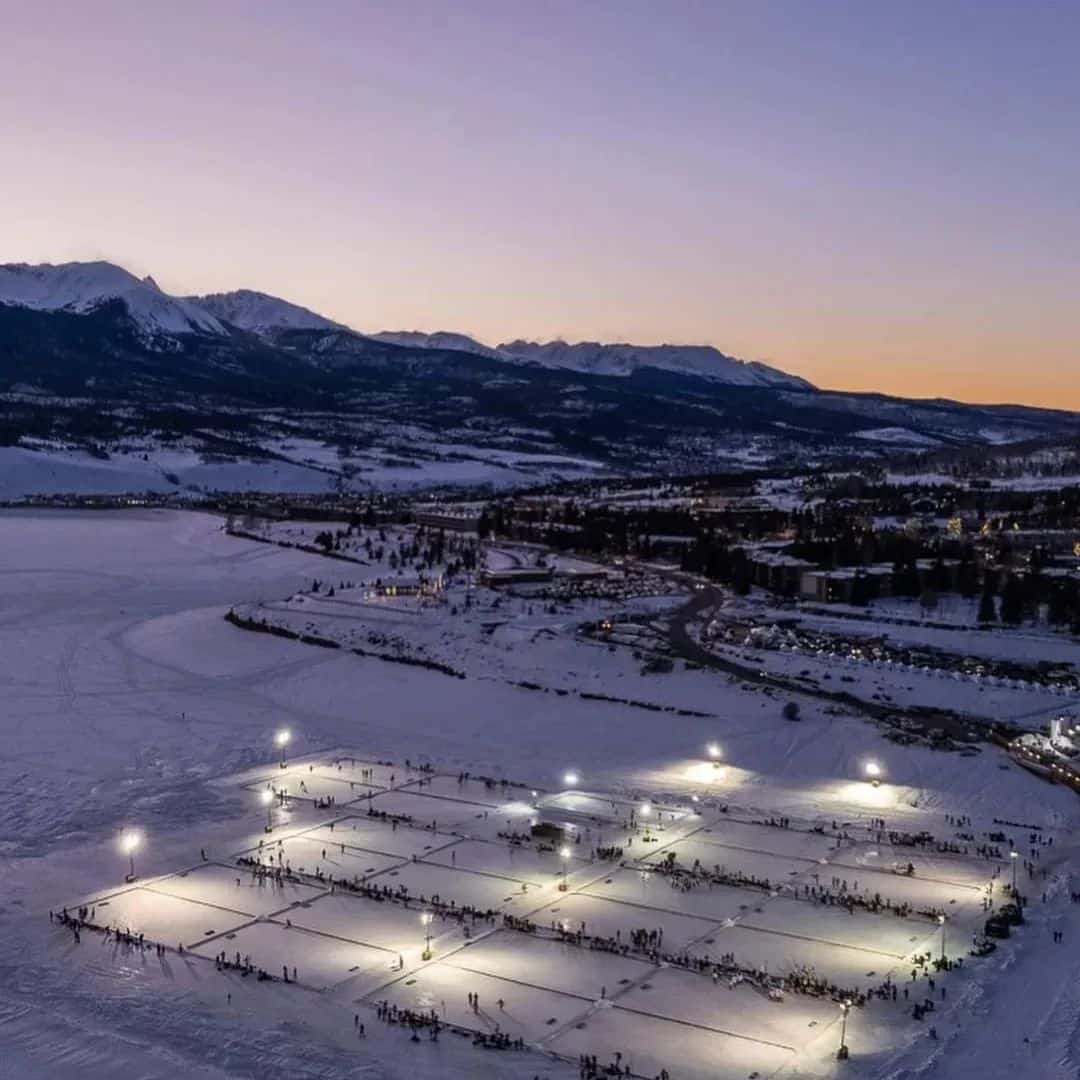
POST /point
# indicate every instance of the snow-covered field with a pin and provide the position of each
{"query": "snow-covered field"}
(129, 701)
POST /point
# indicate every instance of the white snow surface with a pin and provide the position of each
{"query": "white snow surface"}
(258, 311)
(441, 339)
(624, 359)
(81, 287)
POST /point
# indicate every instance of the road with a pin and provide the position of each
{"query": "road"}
(684, 646)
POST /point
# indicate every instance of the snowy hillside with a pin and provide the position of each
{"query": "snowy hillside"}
(83, 287)
(701, 360)
(257, 311)
(441, 339)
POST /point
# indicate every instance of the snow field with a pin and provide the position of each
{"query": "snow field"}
(469, 791)
(169, 920)
(604, 918)
(550, 964)
(320, 961)
(378, 836)
(381, 924)
(647, 889)
(310, 787)
(648, 1044)
(752, 837)
(744, 1011)
(827, 925)
(777, 869)
(528, 1012)
(425, 810)
(331, 858)
(482, 891)
(520, 863)
(233, 889)
(780, 954)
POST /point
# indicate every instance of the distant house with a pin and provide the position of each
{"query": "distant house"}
(847, 585)
(449, 520)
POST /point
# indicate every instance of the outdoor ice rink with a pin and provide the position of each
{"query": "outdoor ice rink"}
(365, 866)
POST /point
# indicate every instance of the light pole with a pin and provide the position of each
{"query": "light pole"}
(941, 920)
(129, 841)
(564, 854)
(873, 772)
(267, 798)
(842, 1053)
(1014, 855)
(715, 753)
(571, 778)
(282, 740)
(425, 920)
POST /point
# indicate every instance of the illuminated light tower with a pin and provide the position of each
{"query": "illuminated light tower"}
(267, 799)
(564, 854)
(842, 1053)
(129, 843)
(1014, 855)
(715, 753)
(941, 920)
(281, 739)
(873, 772)
(425, 921)
(571, 779)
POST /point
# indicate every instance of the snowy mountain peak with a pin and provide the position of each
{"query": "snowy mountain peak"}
(703, 361)
(259, 312)
(82, 287)
(441, 339)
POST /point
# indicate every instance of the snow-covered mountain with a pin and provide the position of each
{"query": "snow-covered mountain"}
(441, 339)
(83, 287)
(259, 312)
(702, 361)
(592, 357)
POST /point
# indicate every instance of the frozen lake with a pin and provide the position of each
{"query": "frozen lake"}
(128, 699)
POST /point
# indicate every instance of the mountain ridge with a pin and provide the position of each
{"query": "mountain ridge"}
(94, 357)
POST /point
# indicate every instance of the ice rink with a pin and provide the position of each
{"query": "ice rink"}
(569, 972)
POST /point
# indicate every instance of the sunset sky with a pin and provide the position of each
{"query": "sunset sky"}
(871, 195)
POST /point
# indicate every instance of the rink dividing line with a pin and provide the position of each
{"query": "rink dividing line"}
(405, 789)
(914, 877)
(819, 941)
(695, 834)
(456, 837)
(208, 904)
(676, 1020)
(402, 859)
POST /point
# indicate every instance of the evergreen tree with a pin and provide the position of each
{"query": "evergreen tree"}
(1012, 601)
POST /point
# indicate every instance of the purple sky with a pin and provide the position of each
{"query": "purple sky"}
(877, 196)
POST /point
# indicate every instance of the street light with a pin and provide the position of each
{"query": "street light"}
(267, 799)
(282, 740)
(873, 771)
(564, 854)
(842, 1053)
(1014, 855)
(715, 753)
(645, 809)
(941, 920)
(129, 842)
(571, 779)
(425, 920)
